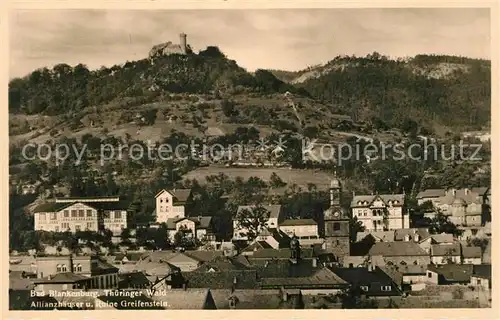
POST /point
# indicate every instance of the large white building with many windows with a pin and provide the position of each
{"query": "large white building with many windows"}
(380, 212)
(82, 214)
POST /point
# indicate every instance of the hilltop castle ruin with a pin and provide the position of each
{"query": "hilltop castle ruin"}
(168, 48)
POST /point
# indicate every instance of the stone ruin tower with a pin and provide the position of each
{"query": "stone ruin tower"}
(183, 42)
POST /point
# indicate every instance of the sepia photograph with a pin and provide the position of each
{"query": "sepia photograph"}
(300, 158)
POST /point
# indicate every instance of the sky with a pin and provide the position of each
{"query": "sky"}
(290, 39)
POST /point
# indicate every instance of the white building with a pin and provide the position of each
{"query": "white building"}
(196, 227)
(299, 227)
(381, 211)
(82, 214)
(170, 204)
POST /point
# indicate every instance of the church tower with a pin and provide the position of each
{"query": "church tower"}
(336, 222)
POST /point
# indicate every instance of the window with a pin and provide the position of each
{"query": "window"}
(58, 268)
(81, 213)
(53, 216)
(78, 268)
(73, 214)
(402, 263)
(89, 213)
(89, 225)
(161, 200)
(66, 213)
(337, 242)
(42, 216)
(415, 262)
(364, 288)
(118, 215)
(429, 275)
(478, 282)
(336, 226)
(78, 227)
(365, 212)
(64, 268)
(161, 208)
(56, 229)
(385, 288)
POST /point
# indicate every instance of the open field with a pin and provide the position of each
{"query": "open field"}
(290, 176)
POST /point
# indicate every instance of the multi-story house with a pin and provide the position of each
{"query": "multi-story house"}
(381, 211)
(74, 272)
(171, 204)
(82, 214)
(464, 207)
(200, 228)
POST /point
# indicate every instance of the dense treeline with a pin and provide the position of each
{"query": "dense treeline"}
(64, 88)
(392, 90)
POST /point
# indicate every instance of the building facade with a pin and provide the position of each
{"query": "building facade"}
(381, 211)
(171, 204)
(82, 214)
(300, 227)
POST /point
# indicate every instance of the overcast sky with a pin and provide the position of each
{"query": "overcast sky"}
(279, 39)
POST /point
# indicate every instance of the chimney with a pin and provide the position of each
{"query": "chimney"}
(314, 262)
(184, 286)
(49, 277)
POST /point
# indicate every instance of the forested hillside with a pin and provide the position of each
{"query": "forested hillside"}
(444, 90)
(64, 89)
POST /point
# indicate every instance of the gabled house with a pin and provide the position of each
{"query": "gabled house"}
(472, 255)
(411, 234)
(195, 227)
(398, 253)
(442, 238)
(171, 204)
(432, 195)
(372, 281)
(377, 236)
(481, 276)
(449, 274)
(446, 253)
(381, 211)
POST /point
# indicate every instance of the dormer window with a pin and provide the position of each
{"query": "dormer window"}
(364, 288)
(64, 268)
(58, 268)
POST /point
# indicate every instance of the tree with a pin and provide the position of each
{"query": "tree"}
(275, 181)
(355, 226)
(478, 242)
(183, 238)
(442, 224)
(228, 108)
(252, 220)
(355, 298)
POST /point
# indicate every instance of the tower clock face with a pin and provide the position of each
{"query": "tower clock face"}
(336, 214)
